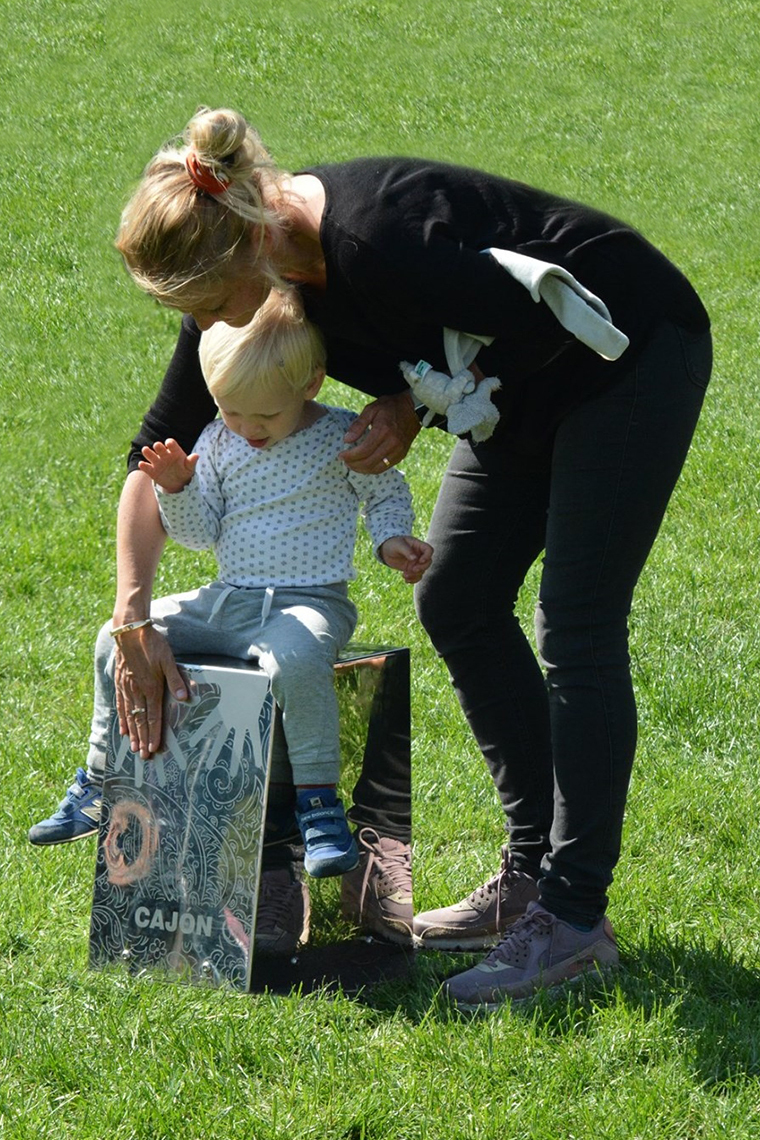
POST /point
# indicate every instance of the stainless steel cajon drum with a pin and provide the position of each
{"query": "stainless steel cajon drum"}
(181, 836)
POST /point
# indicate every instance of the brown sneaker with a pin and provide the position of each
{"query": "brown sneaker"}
(282, 916)
(377, 895)
(539, 951)
(480, 920)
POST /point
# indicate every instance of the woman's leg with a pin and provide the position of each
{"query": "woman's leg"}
(487, 530)
(616, 460)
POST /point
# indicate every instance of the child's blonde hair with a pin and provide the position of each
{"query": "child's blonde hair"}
(279, 344)
(180, 242)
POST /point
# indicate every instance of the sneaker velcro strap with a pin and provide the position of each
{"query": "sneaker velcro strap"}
(317, 823)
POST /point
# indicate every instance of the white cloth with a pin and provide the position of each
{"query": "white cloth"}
(475, 414)
(577, 309)
(437, 391)
(284, 516)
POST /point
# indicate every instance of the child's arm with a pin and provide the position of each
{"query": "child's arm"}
(193, 517)
(408, 554)
(168, 465)
(389, 516)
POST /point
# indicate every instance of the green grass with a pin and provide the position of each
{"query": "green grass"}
(647, 109)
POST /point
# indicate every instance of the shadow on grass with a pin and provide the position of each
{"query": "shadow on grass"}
(713, 995)
(710, 995)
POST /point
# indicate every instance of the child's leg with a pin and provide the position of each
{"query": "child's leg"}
(103, 704)
(297, 646)
(193, 622)
(183, 618)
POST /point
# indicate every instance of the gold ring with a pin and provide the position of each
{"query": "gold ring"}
(136, 712)
(386, 461)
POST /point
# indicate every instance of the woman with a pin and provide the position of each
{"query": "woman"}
(387, 254)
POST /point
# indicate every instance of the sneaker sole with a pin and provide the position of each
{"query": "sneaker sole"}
(462, 945)
(389, 934)
(68, 839)
(446, 941)
(329, 868)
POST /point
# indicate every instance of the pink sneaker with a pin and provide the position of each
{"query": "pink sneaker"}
(539, 951)
(480, 920)
(377, 895)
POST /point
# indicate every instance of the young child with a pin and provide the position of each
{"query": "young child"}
(266, 490)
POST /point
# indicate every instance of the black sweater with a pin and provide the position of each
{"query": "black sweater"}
(403, 241)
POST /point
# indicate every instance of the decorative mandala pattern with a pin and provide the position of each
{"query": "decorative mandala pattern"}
(180, 835)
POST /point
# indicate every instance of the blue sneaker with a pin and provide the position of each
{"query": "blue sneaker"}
(330, 848)
(78, 814)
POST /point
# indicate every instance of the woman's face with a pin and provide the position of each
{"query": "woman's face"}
(234, 302)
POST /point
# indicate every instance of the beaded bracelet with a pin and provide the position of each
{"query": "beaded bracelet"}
(130, 626)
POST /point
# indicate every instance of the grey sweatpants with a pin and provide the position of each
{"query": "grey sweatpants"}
(297, 642)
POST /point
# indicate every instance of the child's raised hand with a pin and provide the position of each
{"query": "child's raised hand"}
(408, 554)
(168, 465)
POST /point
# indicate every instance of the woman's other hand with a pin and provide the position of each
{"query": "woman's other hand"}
(381, 436)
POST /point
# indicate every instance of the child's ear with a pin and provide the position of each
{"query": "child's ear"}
(315, 384)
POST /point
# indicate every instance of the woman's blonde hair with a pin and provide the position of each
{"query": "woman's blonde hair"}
(278, 344)
(180, 242)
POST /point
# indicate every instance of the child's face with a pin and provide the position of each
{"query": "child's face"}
(265, 418)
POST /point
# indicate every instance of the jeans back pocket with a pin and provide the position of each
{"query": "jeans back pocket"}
(697, 354)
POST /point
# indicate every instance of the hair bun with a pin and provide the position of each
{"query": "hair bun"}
(224, 137)
(216, 135)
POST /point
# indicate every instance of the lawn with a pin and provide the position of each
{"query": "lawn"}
(647, 109)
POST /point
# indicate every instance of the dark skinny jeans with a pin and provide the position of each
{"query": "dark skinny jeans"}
(560, 747)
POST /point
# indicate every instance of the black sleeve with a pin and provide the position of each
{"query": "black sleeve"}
(371, 372)
(445, 284)
(183, 405)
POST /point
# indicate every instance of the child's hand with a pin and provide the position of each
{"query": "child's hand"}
(407, 554)
(168, 465)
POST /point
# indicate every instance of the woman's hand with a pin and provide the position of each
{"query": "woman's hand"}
(144, 666)
(390, 425)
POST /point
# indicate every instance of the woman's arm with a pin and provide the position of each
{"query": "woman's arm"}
(183, 405)
(144, 661)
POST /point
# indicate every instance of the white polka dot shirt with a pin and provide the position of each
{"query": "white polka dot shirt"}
(284, 516)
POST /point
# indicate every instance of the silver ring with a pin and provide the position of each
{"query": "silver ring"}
(386, 461)
(136, 712)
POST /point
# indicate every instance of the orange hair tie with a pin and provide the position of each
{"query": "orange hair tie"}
(203, 176)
